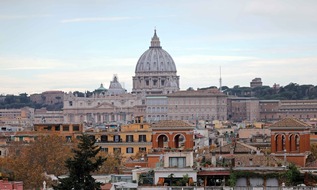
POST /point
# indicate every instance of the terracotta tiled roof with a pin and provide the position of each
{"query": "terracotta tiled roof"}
(312, 164)
(239, 148)
(171, 124)
(243, 160)
(106, 186)
(290, 122)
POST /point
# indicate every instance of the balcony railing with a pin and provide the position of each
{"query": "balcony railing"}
(132, 142)
(154, 150)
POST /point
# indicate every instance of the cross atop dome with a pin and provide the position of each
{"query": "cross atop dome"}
(155, 42)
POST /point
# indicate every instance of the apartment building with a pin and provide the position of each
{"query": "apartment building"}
(127, 140)
(272, 110)
(192, 105)
(48, 97)
(17, 117)
(45, 116)
(243, 109)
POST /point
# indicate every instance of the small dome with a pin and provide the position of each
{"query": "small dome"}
(101, 88)
(155, 59)
(115, 87)
(115, 83)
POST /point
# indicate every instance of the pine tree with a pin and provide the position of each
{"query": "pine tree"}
(81, 166)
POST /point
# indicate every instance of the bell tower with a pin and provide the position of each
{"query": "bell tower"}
(290, 140)
(170, 135)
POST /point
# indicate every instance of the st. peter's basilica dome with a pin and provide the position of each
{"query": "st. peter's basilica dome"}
(155, 59)
(155, 72)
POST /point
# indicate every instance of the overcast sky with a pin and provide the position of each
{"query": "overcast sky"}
(74, 45)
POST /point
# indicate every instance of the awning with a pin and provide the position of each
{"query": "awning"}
(207, 173)
(199, 135)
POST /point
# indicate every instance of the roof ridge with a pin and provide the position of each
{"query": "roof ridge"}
(290, 122)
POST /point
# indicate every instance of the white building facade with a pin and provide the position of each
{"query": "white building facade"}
(194, 105)
(103, 107)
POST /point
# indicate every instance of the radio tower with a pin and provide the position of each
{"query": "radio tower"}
(220, 81)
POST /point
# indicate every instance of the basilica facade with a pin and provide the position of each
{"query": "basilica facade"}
(112, 106)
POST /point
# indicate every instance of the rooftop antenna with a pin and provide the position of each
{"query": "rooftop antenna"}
(220, 81)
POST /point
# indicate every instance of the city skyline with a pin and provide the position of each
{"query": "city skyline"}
(77, 45)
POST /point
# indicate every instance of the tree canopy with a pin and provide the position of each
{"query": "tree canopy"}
(81, 166)
(29, 162)
(291, 91)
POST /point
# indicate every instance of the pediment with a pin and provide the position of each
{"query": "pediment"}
(105, 106)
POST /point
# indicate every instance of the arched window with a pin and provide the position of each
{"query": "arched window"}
(179, 141)
(276, 143)
(162, 141)
(283, 142)
(297, 142)
(291, 142)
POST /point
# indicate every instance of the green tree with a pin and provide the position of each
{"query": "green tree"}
(171, 178)
(292, 176)
(80, 167)
(146, 178)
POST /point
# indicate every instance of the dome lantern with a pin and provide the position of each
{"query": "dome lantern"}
(155, 42)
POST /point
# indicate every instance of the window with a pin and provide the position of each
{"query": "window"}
(48, 128)
(250, 161)
(104, 138)
(129, 150)
(129, 138)
(65, 128)
(142, 149)
(68, 139)
(70, 103)
(142, 138)
(179, 162)
(283, 142)
(116, 150)
(76, 128)
(297, 142)
(104, 150)
(141, 126)
(117, 138)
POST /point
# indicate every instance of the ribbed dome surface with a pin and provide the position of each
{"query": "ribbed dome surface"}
(155, 59)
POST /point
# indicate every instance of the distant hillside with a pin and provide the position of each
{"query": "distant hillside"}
(292, 91)
(23, 100)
